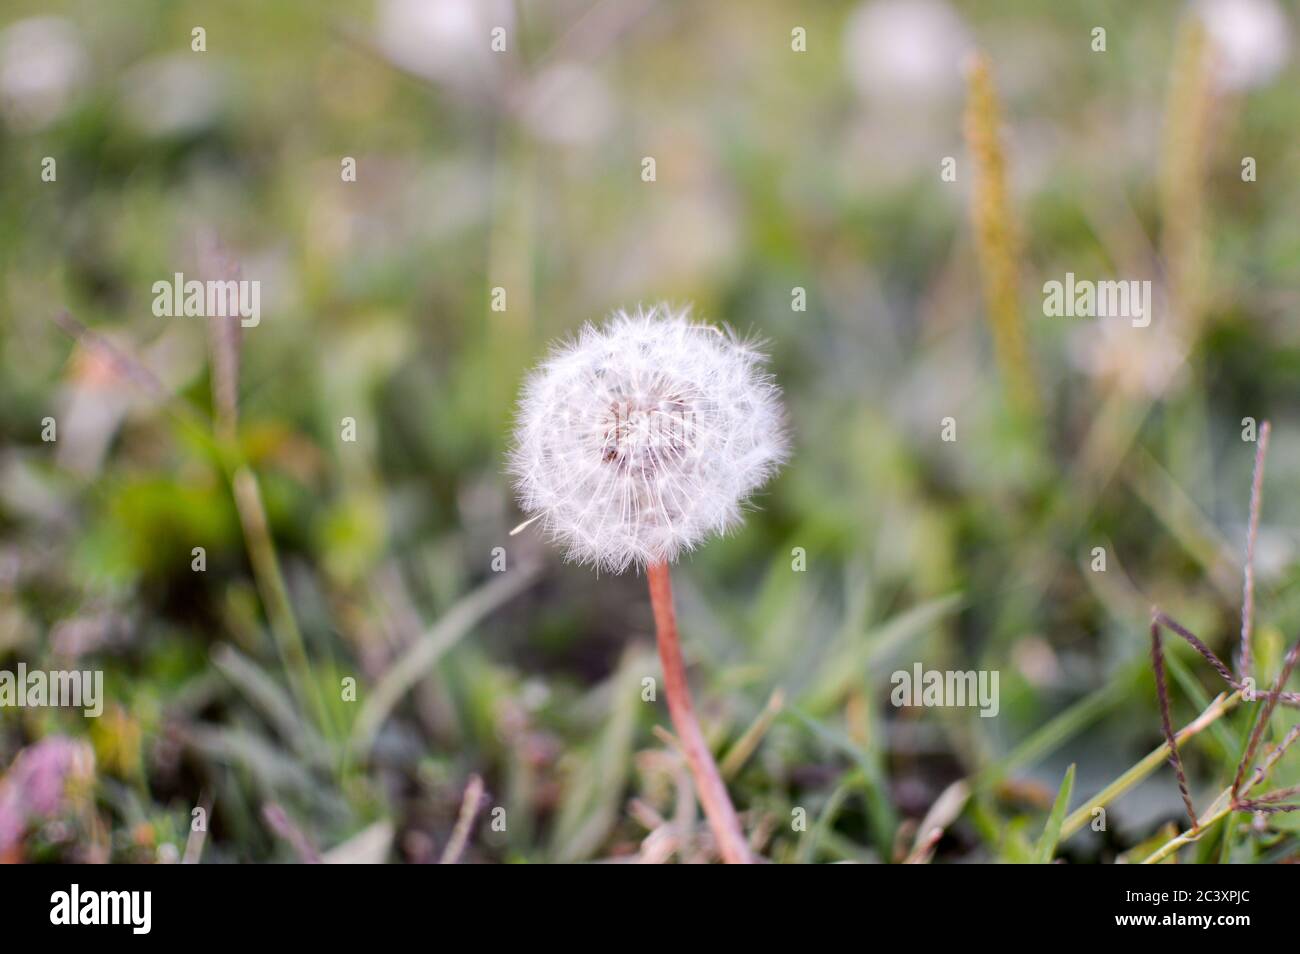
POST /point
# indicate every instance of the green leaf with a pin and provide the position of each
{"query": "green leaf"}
(1052, 833)
(856, 660)
(884, 820)
(419, 659)
(1064, 726)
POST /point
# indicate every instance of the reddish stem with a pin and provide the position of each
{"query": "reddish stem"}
(708, 783)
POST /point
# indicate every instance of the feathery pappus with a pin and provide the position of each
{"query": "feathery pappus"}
(639, 439)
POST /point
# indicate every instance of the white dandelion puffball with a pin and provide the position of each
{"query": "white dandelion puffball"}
(1252, 40)
(905, 51)
(43, 67)
(638, 440)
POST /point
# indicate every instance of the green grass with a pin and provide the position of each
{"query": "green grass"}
(349, 662)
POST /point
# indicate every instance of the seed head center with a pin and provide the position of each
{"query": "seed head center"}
(645, 434)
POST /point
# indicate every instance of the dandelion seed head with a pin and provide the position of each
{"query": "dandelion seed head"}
(1251, 39)
(640, 439)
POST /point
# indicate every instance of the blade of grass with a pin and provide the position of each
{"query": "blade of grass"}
(1219, 810)
(1184, 520)
(1187, 682)
(808, 844)
(273, 591)
(947, 808)
(1060, 729)
(859, 658)
(597, 778)
(1052, 832)
(744, 747)
(1156, 758)
(270, 699)
(420, 657)
(884, 821)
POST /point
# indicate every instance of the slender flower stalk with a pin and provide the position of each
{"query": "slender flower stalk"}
(1183, 173)
(1244, 660)
(1234, 799)
(1158, 663)
(708, 781)
(997, 239)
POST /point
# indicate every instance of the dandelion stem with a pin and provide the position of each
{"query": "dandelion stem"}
(708, 782)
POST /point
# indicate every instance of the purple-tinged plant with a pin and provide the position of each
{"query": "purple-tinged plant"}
(1242, 681)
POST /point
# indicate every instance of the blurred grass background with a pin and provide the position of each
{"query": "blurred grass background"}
(775, 170)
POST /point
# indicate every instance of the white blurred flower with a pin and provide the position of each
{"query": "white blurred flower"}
(568, 104)
(1139, 362)
(638, 440)
(1252, 39)
(43, 65)
(444, 40)
(905, 49)
(173, 95)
